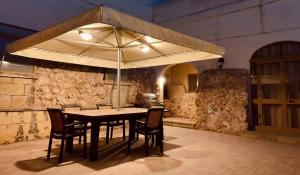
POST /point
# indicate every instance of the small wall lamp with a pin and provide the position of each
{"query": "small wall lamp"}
(220, 63)
(161, 80)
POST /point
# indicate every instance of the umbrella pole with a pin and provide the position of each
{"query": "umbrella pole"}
(119, 78)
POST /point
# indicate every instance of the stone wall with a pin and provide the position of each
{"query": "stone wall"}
(240, 26)
(68, 84)
(25, 96)
(181, 104)
(16, 90)
(222, 100)
(23, 125)
(220, 103)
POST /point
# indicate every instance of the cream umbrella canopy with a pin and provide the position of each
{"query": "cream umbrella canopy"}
(104, 37)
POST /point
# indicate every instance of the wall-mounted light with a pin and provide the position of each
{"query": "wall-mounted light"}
(161, 80)
(145, 49)
(85, 36)
(220, 63)
(5, 62)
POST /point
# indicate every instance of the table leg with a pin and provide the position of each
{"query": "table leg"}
(131, 136)
(94, 140)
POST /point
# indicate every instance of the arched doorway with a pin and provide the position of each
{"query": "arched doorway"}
(179, 90)
(179, 78)
(275, 84)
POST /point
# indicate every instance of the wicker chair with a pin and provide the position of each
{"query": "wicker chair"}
(78, 125)
(110, 125)
(152, 126)
(62, 130)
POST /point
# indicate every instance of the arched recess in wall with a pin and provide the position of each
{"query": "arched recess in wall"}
(275, 87)
(178, 78)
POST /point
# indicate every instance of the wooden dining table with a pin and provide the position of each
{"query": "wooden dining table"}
(95, 117)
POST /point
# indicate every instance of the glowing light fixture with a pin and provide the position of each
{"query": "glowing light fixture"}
(145, 49)
(5, 62)
(85, 36)
(161, 80)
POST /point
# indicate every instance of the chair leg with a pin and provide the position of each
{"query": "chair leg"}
(124, 130)
(137, 132)
(152, 139)
(161, 144)
(79, 140)
(111, 131)
(146, 145)
(107, 133)
(84, 141)
(62, 145)
(49, 146)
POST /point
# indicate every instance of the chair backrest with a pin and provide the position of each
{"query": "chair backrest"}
(154, 117)
(70, 107)
(104, 106)
(57, 120)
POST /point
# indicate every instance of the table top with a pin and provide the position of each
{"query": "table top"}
(107, 112)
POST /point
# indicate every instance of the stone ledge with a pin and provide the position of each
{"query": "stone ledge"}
(23, 109)
(180, 122)
(12, 74)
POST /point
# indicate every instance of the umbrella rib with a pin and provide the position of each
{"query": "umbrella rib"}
(97, 42)
(67, 53)
(137, 45)
(135, 39)
(82, 42)
(146, 43)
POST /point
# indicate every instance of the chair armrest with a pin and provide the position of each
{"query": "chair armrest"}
(139, 122)
(74, 124)
(70, 124)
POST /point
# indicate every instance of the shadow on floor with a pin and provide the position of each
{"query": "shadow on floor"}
(110, 155)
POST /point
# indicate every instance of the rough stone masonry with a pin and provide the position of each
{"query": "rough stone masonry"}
(25, 96)
(220, 103)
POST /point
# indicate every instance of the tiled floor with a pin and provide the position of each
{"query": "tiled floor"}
(187, 152)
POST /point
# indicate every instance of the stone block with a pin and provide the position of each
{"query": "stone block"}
(29, 90)
(5, 118)
(5, 101)
(15, 117)
(5, 80)
(231, 23)
(200, 28)
(22, 81)
(11, 89)
(26, 117)
(8, 133)
(18, 102)
(281, 15)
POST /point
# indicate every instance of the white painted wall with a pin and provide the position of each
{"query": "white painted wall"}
(39, 14)
(241, 26)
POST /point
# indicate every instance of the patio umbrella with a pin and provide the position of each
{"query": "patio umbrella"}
(104, 37)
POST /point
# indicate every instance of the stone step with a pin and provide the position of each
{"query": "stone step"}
(180, 122)
(275, 137)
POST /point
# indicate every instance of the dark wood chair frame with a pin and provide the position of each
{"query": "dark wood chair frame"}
(110, 125)
(60, 129)
(142, 127)
(78, 125)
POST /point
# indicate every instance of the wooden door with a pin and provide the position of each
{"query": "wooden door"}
(275, 88)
